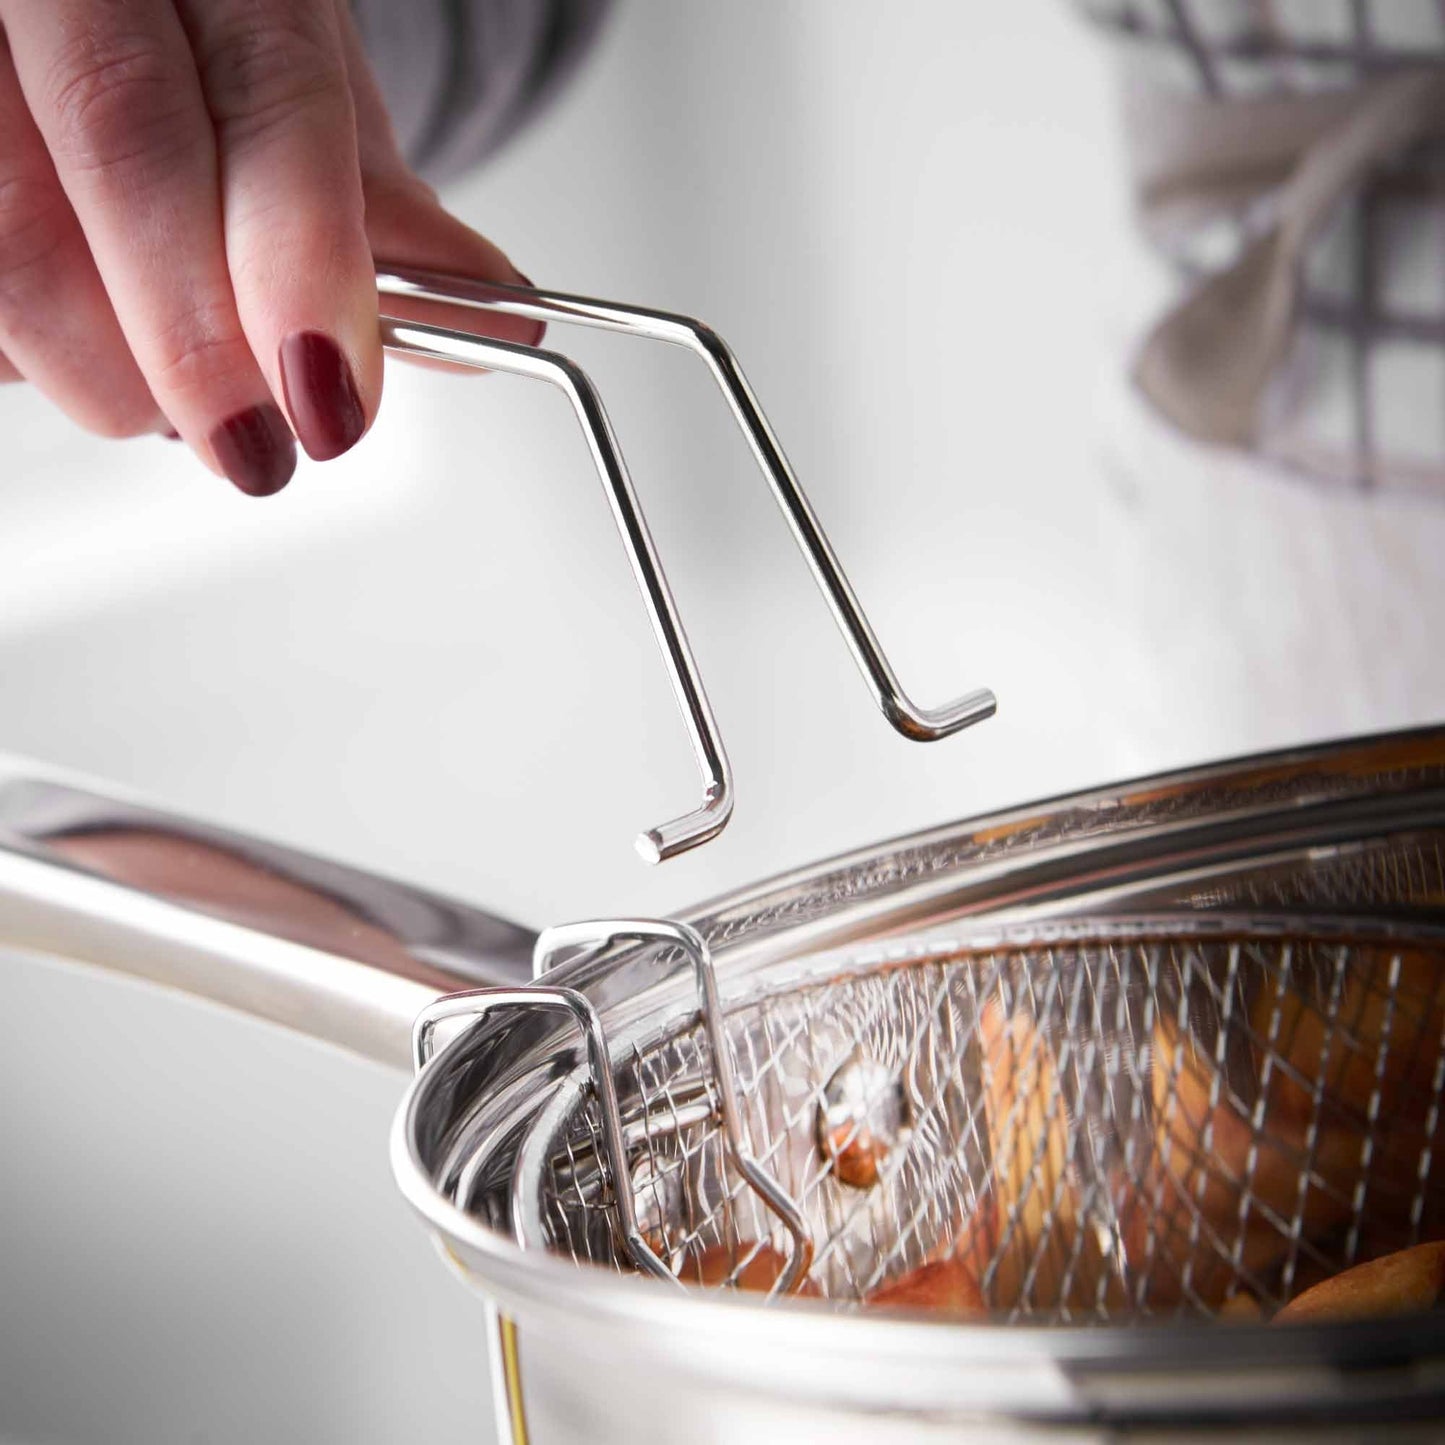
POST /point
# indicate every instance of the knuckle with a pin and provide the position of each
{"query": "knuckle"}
(113, 102)
(325, 246)
(261, 75)
(199, 346)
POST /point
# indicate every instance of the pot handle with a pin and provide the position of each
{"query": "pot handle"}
(343, 955)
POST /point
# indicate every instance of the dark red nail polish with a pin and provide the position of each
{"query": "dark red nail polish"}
(256, 450)
(321, 395)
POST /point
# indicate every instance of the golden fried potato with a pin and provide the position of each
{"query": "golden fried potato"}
(1373, 1055)
(946, 1286)
(1411, 1279)
(1048, 1257)
(714, 1266)
(1187, 1231)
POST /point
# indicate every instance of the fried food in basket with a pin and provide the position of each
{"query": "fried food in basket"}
(1241, 1309)
(1378, 1033)
(1218, 1197)
(1332, 1108)
(1365, 1051)
(1411, 1279)
(758, 1268)
(947, 1286)
(1283, 1124)
(1048, 1257)
(855, 1155)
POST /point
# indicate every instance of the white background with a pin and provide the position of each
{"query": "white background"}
(427, 659)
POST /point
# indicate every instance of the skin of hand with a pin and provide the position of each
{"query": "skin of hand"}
(191, 196)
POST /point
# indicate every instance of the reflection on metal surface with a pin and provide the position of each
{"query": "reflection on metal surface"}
(294, 939)
(258, 884)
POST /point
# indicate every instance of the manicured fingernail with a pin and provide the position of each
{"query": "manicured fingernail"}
(321, 395)
(256, 450)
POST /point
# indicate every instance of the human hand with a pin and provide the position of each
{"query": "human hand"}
(191, 194)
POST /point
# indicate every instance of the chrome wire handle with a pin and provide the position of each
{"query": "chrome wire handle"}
(473, 1004)
(470, 1006)
(707, 820)
(600, 933)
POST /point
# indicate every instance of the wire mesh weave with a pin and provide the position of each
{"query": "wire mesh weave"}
(1144, 1123)
(1393, 874)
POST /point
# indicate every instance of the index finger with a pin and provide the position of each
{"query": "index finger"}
(114, 90)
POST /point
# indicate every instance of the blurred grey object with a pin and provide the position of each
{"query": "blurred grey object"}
(1289, 158)
(461, 77)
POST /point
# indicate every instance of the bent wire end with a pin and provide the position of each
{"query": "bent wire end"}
(929, 724)
(703, 824)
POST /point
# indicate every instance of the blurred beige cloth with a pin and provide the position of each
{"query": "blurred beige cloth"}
(1291, 160)
(1208, 364)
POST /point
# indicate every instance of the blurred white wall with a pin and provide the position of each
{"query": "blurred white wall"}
(427, 658)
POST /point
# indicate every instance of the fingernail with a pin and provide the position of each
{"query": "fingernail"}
(321, 395)
(256, 450)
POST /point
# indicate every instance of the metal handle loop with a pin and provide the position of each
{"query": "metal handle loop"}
(476, 1003)
(601, 933)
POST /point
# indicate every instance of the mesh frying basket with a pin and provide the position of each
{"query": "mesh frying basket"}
(1096, 1122)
